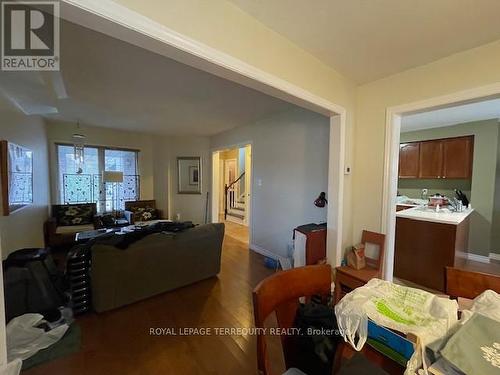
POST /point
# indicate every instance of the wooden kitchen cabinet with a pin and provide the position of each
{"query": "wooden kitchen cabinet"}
(431, 159)
(409, 154)
(439, 158)
(457, 157)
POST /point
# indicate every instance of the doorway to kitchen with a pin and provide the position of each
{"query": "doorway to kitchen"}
(442, 188)
(232, 174)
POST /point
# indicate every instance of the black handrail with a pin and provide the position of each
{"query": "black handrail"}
(226, 189)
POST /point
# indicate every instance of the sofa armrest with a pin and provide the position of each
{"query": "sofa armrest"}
(129, 215)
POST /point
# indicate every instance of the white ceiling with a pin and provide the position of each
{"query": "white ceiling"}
(107, 82)
(484, 110)
(370, 39)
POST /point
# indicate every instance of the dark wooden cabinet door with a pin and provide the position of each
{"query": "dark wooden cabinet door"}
(431, 159)
(457, 157)
(409, 154)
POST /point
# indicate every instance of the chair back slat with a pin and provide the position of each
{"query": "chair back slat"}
(376, 239)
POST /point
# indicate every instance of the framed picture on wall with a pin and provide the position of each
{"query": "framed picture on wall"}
(16, 174)
(189, 175)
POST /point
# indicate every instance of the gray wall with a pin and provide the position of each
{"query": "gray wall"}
(24, 228)
(482, 186)
(290, 168)
(188, 206)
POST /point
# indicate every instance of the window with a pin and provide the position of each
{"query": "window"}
(88, 187)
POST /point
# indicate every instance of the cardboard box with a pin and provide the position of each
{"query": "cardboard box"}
(391, 343)
(356, 257)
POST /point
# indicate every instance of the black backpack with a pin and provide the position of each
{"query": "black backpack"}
(32, 284)
(318, 339)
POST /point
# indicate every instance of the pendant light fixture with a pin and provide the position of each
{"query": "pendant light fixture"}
(79, 148)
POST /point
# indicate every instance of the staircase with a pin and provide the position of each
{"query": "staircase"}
(237, 213)
(234, 207)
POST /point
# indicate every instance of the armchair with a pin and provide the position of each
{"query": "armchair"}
(145, 210)
(67, 220)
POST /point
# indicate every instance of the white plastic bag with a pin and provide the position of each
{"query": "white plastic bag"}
(404, 309)
(12, 368)
(487, 304)
(25, 340)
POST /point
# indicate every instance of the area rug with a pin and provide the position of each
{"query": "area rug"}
(69, 344)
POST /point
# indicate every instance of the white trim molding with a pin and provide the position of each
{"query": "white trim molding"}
(391, 159)
(129, 19)
(494, 257)
(474, 257)
(284, 262)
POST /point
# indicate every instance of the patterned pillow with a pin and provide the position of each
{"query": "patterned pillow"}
(74, 214)
(143, 213)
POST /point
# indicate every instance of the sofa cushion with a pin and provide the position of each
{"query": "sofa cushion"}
(73, 229)
(143, 213)
(66, 215)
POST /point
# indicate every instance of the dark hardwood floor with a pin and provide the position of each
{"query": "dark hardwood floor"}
(118, 342)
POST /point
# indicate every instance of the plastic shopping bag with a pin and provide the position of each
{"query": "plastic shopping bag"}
(12, 368)
(24, 339)
(487, 304)
(404, 309)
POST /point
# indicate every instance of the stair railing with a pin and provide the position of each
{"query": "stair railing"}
(230, 195)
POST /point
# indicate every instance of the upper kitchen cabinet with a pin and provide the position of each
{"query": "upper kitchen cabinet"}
(457, 157)
(409, 154)
(431, 159)
(439, 158)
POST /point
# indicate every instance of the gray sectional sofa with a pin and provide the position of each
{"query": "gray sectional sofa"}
(155, 264)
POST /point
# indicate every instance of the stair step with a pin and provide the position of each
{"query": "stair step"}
(239, 216)
(238, 208)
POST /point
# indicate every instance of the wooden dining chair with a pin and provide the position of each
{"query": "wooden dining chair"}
(280, 293)
(469, 284)
(348, 278)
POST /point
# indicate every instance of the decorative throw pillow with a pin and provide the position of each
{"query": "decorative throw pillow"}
(74, 214)
(144, 213)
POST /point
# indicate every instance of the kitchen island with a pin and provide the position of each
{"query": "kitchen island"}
(428, 241)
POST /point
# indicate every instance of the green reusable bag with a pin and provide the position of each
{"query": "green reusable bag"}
(475, 348)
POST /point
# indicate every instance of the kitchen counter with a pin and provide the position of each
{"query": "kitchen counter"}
(444, 216)
(427, 242)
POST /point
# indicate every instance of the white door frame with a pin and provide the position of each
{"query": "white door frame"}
(215, 201)
(248, 182)
(391, 162)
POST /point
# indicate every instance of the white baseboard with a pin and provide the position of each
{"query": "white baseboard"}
(284, 262)
(495, 257)
(474, 257)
